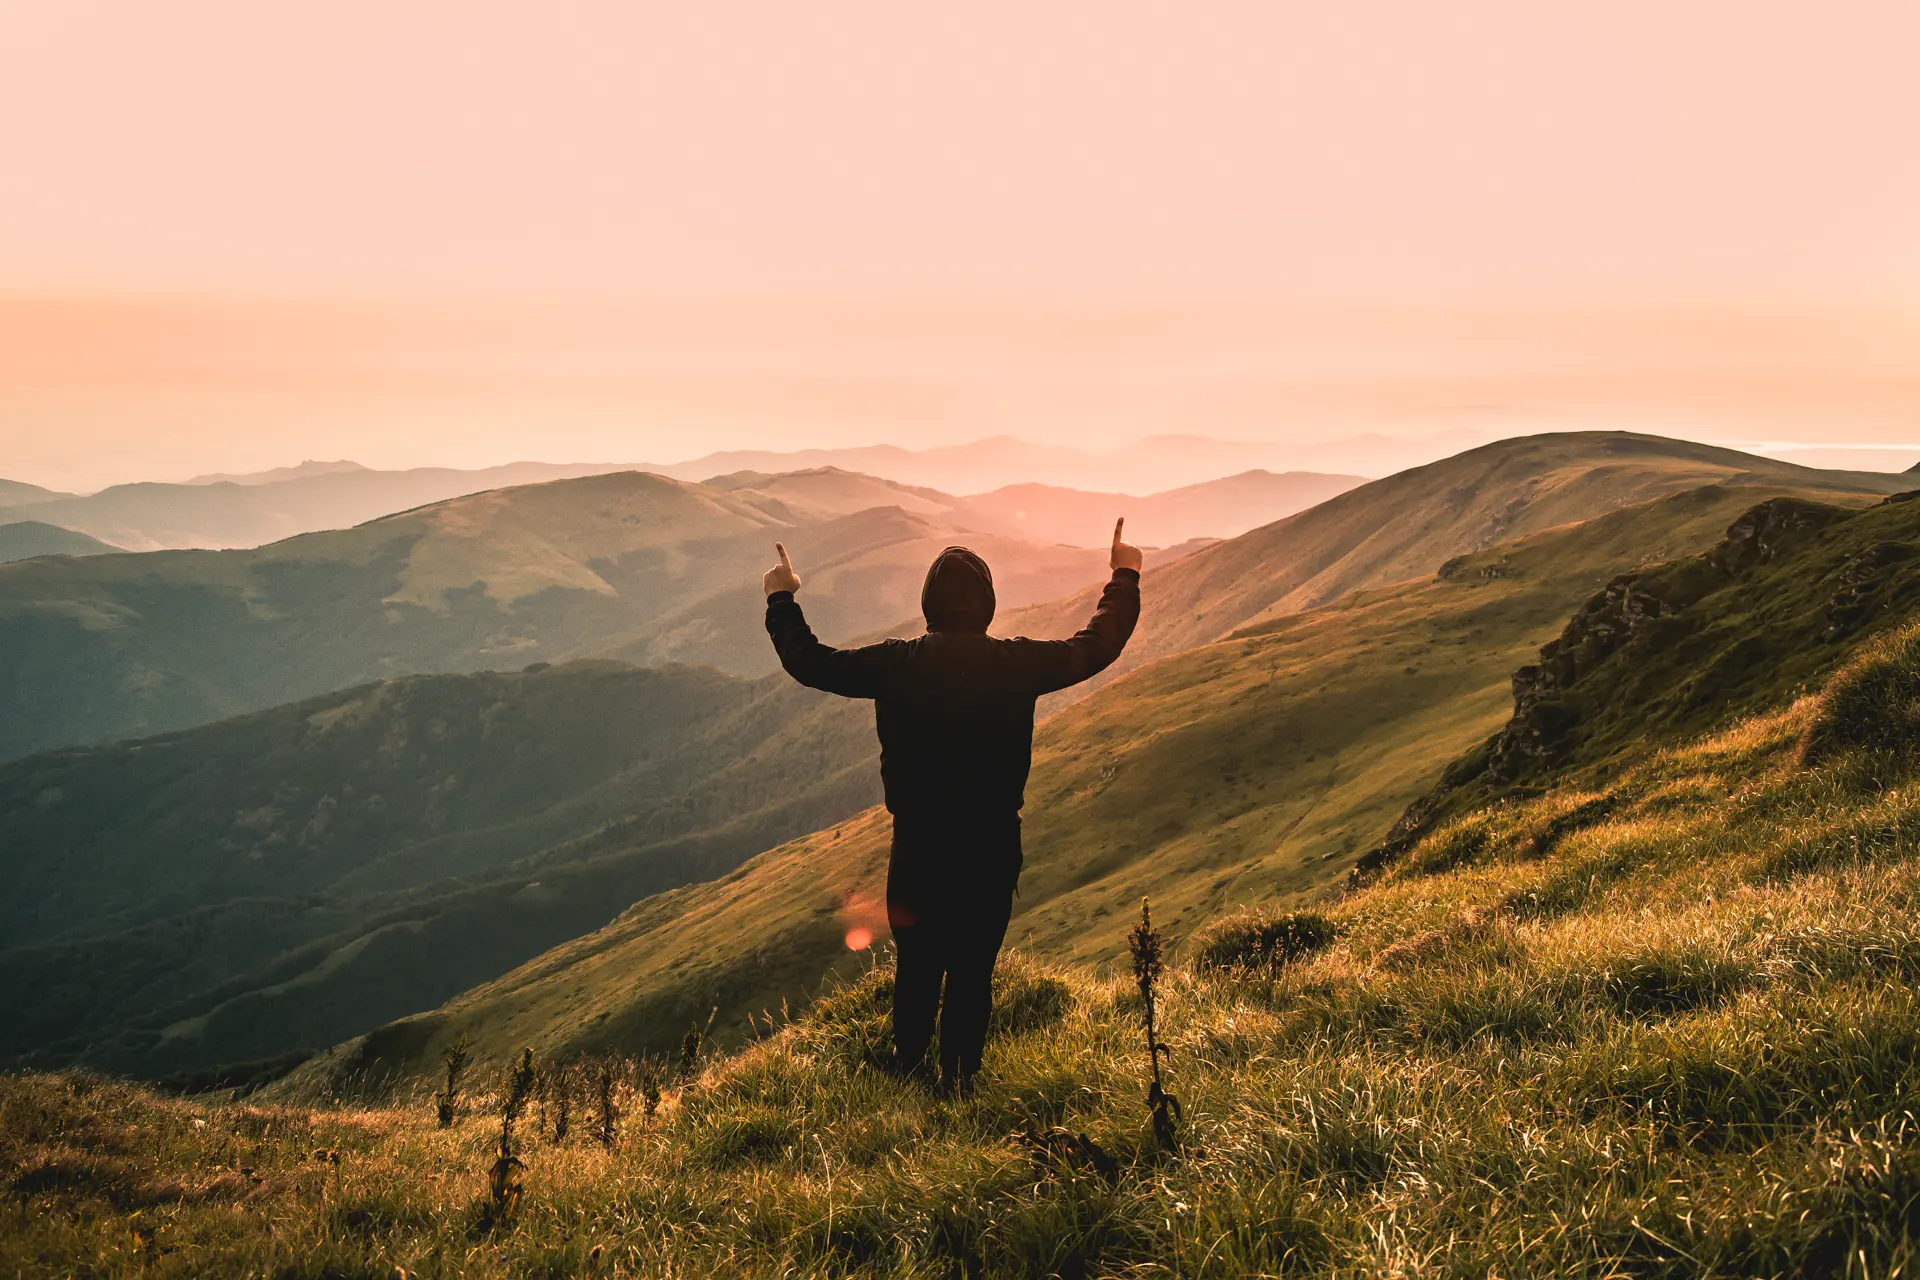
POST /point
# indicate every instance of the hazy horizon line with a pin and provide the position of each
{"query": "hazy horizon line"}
(1758, 447)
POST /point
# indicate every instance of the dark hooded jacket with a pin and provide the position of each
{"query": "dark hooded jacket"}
(954, 707)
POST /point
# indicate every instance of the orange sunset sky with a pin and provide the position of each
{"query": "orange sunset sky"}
(233, 235)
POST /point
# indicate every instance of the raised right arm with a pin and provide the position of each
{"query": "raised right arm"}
(851, 673)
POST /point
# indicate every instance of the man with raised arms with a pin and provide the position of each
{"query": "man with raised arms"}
(954, 710)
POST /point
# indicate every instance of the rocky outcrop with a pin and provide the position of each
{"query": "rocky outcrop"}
(1759, 534)
(1539, 724)
(1860, 580)
(1545, 719)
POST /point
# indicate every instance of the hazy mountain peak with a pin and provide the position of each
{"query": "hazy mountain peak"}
(18, 493)
(310, 467)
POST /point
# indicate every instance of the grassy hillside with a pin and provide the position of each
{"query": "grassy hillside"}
(1409, 524)
(1666, 653)
(299, 875)
(1665, 1026)
(24, 539)
(1252, 771)
(656, 569)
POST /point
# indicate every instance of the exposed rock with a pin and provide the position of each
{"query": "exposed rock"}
(1544, 719)
(1860, 578)
(1758, 535)
(1539, 725)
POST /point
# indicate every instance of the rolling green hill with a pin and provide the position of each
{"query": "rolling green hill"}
(287, 878)
(1654, 1015)
(24, 539)
(1409, 524)
(627, 563)
(1252, 771)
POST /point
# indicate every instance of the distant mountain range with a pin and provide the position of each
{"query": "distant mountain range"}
(1177, 487)
(15, 493)
(626, 564)
(250, 511)
(299, 874)
(1151, 465)
(220, 512)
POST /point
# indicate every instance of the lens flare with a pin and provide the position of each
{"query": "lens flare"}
(859, 939)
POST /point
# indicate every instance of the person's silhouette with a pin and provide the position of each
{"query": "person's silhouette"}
(954, 710)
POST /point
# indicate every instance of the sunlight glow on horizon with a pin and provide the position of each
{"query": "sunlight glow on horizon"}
(658, 231)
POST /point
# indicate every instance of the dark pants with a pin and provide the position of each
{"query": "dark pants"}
(949, 897)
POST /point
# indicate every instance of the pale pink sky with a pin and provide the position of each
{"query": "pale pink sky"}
(1074, 167)
(1388, 146)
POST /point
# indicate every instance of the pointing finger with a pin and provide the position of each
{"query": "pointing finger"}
(785, 563)
(1118, 526)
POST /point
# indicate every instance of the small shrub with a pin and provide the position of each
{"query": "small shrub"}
(650, 1083)
(690, 1046)
(1254, 941)
(606, 1097)
(503, 1180)
(447, 1101)
(1147, 948)
(556, 1101)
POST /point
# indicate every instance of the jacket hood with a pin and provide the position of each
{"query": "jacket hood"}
(958, 595)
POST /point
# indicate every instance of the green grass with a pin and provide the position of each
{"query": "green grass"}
(1671, 651)
(1678, 1039)
(285, 880)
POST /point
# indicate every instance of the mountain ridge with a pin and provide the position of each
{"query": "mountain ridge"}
(625, 563)
(1410, 523)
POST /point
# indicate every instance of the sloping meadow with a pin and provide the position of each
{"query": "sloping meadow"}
(1659, 1026)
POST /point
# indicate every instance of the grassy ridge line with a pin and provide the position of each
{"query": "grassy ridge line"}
(1681, 1039)
(1407, 524)
(1252, 771)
